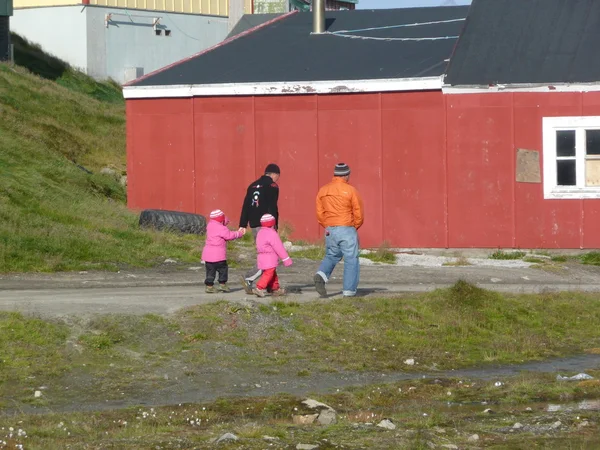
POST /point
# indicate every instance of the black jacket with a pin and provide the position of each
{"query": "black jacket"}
(261, 198)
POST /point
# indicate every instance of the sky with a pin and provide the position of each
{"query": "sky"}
(378, 4)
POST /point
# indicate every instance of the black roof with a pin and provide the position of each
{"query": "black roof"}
(528, 42)
(285, 50)
(249, 21)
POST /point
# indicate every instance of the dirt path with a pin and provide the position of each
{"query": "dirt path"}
(165, 289)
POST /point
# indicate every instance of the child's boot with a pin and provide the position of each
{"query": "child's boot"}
(279, 292)
(223, 287)
(259, 292)
(210, 289)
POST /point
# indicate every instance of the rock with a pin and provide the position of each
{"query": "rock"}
(556, 425)
(498, 383)
(306, 447)
(585, 423)
(37, 394)
(431, 444)
(327, 417)
(227, 437)
(170, 261)
(495, 280)
(288, 245)
(517, 426)
(473, 438)
(314, 404)
(387, 424)
(123, 180)
(409, 362)
(488, 411)
(450, 446)
(439, 430)
(270, 438)
(195, 268)
(304, 420)
(108, 171)
(528, 409)
(578, 377)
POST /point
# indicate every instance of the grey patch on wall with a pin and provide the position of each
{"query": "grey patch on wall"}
(528, 166)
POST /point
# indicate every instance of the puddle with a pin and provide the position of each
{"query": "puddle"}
(212, 384)
(585, 405)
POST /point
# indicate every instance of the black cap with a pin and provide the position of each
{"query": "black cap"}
(273, 168)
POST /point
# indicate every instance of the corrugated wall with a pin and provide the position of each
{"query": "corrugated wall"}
(434, 171)
(210, 7)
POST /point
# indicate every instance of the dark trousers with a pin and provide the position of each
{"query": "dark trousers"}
(211, 271)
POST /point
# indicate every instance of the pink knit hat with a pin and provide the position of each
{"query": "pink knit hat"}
(217, 215)
(267, 220)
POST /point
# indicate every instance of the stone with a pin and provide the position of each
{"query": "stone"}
(556, 425)
(288, 245)
(585, 423)
(528, 409)
(450, 446)
(517, 426)
(488, 411)
(306, 447)
(387, 424)
(327, 417)
(170, 261)
(227, 437)
(304, 420)
(409, 362)
(431, 444)
(123, 180)
(314, 404)
(270, 438)
(37, 394)
(108, 171)
(473, 438)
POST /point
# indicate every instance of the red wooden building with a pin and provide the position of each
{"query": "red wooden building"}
(496, 150)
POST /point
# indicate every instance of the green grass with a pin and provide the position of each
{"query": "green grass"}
(591, 258)
(500, 254)
(315, 253)
(381, 255)
(424, 412)
(54, 216)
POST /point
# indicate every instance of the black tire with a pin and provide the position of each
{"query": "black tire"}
(173, 220)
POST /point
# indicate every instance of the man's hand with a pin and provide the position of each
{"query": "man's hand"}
(242, 230)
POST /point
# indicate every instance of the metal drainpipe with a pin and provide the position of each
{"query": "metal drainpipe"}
(318, 7)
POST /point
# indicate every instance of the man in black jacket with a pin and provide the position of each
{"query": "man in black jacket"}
(261, 198)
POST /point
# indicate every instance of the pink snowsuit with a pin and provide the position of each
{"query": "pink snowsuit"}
(270, 249)
(217, 235)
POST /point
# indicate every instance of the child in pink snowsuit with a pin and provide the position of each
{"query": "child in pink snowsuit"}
(270, 250)
(214, 253)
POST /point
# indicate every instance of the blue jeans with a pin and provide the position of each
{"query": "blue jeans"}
(342, 242)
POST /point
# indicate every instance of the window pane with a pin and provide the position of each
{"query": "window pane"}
(565, 143)
(565, 172)
(592, 142)
(592, 172)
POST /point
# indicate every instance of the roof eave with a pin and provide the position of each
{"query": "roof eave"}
(521, 87)
(284, 88)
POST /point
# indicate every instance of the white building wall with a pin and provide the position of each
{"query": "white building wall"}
(114, 48)
(59, 30)
(130, 40)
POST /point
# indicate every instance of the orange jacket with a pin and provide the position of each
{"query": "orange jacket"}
(339, 205)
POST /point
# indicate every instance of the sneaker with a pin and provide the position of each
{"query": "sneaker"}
(279, 292)
(210, 289)
(224, 288)
(320, 285)
(259, 292)
(247, 286)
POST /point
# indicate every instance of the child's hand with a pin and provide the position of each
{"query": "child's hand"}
(288, 262)
(243, 231)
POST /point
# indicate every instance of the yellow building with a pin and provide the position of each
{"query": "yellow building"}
(208, 7)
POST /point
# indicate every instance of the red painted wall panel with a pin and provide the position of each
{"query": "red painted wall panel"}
(543, 223)
(480, 168)
(160, 152)
(414, 169)
(286, 134)
(224, 153)
(349, 131)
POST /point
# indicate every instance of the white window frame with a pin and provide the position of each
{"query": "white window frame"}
(550, 125)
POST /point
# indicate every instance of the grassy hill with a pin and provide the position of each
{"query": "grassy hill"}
(54, 215)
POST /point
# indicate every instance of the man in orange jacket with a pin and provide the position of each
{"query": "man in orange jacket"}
(340, 212)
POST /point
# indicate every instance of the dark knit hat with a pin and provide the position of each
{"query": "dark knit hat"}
(341, 170)
(273, 168)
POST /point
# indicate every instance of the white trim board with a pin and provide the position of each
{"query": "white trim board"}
(284, 88)
(592, 87)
